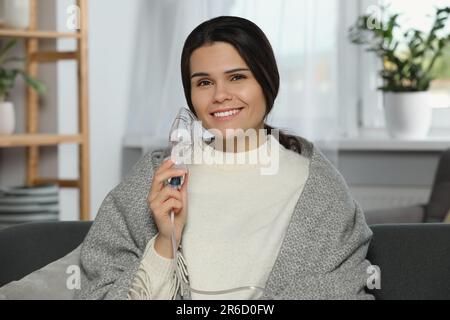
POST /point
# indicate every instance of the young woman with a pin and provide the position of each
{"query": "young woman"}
(296, 233)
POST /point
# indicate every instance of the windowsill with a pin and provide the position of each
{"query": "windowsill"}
(378, 140)
(367, 140)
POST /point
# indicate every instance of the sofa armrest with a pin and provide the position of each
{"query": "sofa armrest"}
(410, 214)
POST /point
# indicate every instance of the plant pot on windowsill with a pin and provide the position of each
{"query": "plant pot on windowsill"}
(408, 114)
(409, 64)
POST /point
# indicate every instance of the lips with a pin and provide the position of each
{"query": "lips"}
(228, 117)
(224, 110)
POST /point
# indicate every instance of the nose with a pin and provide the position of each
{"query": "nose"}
(222, 93)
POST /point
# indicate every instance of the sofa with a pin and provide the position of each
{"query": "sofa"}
(413, 259)
(435, 210)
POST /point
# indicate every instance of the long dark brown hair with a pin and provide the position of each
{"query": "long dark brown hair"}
(253, 46)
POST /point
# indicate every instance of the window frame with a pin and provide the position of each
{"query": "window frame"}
(368, 112)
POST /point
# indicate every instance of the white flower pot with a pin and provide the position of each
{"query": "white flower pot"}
(7, 118)
(16, 13)
(408, 114)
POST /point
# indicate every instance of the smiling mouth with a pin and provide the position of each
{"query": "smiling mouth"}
(227, 115)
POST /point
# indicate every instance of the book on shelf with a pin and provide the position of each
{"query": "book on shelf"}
(22, 204)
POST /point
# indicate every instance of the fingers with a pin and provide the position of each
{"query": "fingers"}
(162, 196)
(183, 192)
(164, 175)
(166, 164)
(164, 172)
(166, 193)
(170, 204)
(185, 183)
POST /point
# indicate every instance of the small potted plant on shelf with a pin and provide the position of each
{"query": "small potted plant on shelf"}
(408, 68)
(7, 80)
(16, 13)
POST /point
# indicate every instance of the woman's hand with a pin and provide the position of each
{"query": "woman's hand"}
(162, 200)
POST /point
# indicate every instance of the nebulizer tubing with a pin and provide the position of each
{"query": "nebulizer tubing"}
(184, 121)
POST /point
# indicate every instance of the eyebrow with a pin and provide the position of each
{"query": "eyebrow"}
(204, 74)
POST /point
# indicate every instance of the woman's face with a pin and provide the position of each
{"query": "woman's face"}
(221, 80)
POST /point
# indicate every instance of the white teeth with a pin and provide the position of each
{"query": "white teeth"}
(227, 113)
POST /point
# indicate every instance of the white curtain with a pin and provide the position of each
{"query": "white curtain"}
(303, 34)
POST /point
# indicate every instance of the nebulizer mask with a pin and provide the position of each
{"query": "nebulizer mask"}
(181, 139)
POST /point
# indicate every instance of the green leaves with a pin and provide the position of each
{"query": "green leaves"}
(35, 84)
(8, 75)
(7, 80)
(408, 62)
(9, 45)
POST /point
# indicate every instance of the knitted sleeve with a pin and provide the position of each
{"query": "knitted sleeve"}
(113, 250)
(156, 278)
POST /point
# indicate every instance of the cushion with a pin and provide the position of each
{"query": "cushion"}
(57, 281)
(447, 219)
(439, 203)
(412, 214)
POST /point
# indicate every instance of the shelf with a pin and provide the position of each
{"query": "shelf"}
(36, 55)
(27, 140)
(12, 33)
(60, 182)
(53, 56)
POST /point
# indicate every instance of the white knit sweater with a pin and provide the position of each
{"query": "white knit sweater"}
(237, 220)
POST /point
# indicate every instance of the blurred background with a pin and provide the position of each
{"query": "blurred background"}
(123, 70)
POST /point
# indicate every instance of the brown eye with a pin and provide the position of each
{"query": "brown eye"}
(238, 76)
(203, 81)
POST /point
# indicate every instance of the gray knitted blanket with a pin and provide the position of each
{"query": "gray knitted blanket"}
(322, 255)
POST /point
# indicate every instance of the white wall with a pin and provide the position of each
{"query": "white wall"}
(111, 36)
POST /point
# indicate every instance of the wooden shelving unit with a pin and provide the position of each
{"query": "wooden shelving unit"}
(28, 140)
(11, 33)
(32, 139)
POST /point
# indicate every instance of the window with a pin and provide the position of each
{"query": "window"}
(304, 38)
(419, 15)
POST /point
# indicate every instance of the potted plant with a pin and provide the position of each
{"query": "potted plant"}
(17, 13)
(7, 80)
(408, 68)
